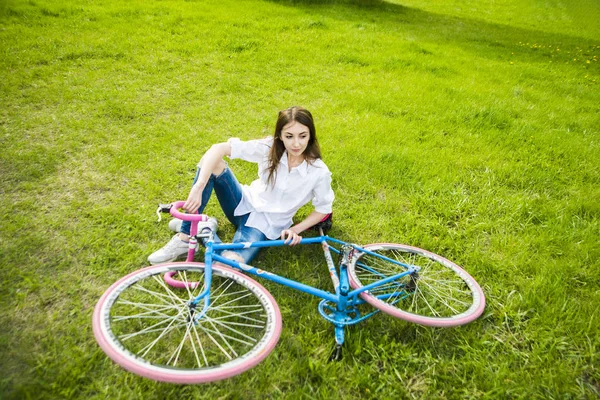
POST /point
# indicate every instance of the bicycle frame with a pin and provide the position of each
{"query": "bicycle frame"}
(343, 287)
(344, 299)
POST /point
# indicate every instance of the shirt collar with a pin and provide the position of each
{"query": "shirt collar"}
(302, 168)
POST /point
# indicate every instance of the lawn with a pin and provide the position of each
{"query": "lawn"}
(471, 129)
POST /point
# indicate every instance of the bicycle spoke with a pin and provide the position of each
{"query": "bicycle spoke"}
(146, 315)
(200, 345)
(441, 298)
(194, 347)
(193, 285)
(159, 296)
(451, 290)
(167, 288)
(226, 325)
(148, 309)
(153, 343)
(178, 350)
(223, 335)
(241, 316)
(214, 303)
(216, 342)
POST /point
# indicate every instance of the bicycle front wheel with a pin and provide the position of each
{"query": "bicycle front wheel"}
(441, 294)
(151, 328)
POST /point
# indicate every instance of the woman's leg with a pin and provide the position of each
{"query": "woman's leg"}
(245, 234)
(229, 193)
(216, 175)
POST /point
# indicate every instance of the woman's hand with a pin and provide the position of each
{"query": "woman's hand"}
(194, 200)
(291, 236)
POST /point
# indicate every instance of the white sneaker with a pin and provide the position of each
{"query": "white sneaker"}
(170, 252)
(212, 224)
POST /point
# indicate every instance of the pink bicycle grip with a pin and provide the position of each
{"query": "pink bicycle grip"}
(186, 217)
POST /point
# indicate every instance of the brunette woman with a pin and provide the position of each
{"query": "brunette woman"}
(291, 174)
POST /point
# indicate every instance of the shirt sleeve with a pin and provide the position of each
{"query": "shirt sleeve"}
(323, 195)
(251, 150)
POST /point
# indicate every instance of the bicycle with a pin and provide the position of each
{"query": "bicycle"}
(190, 322)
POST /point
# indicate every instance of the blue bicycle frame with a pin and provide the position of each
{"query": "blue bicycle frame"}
(344, 299)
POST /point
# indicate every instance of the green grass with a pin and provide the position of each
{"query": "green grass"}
(467, 128)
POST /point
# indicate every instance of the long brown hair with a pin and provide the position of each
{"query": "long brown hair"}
(312, 152)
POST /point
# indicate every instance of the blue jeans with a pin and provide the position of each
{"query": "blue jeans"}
(229, 193)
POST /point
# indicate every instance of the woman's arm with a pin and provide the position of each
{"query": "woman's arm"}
(211, 163)
(293, 234)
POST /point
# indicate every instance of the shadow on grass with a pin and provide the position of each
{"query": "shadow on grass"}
(487, 39)
(354, 3)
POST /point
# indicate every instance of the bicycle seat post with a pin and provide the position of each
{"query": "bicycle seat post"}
(330, 265)
(346, 254)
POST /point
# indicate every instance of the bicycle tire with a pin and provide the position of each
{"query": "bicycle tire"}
(148, 328)
(442, 295)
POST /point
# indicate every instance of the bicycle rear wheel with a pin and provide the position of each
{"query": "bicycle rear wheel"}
(150, 329)
(441, 294)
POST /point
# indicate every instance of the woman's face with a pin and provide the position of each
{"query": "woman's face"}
(295, 137)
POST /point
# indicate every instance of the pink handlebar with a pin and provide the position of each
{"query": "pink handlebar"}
(186, 217)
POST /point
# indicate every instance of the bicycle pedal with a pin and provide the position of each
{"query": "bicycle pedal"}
(336, 354)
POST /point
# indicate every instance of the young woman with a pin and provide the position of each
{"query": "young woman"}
(291, 173)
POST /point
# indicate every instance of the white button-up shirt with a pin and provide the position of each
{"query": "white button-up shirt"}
(271, 208)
